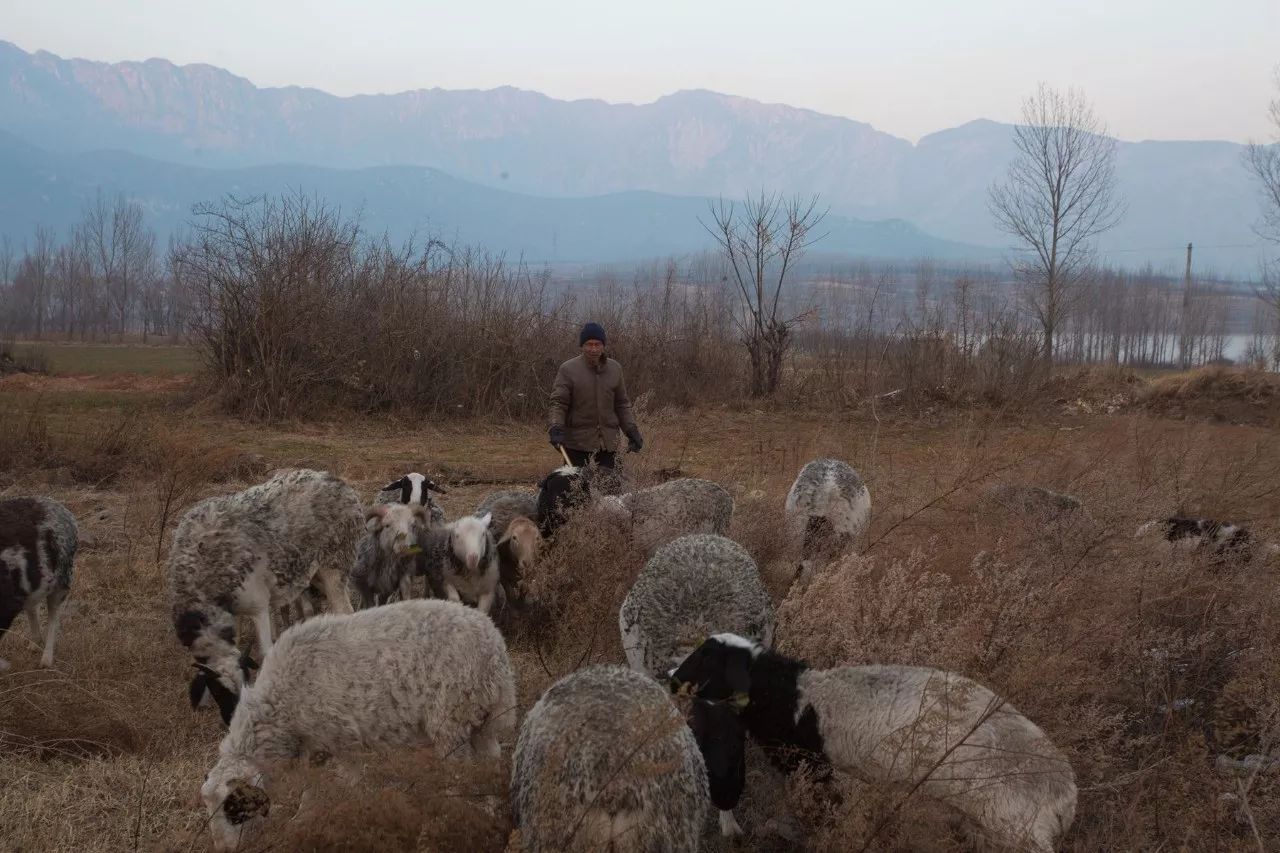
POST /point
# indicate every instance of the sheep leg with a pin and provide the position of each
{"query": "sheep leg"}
(485, 603)
(406, 587)
(729, 827)
(262, 621)
(54, 603)
(451, 592)
(335, 591)
(33, 619)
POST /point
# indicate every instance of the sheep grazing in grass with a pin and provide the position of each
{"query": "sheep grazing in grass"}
(430, 673)
(1033, 500)
(517, 551)
(829, 506)
(414, 489)
(655, 515)
(387, 556)
(605, 762)
(250, 552)
(1221, 539)
(937, 732)
(461, 562)
(508, 505)
(691, 588)
(38, 540)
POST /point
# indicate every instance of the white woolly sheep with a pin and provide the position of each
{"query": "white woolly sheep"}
(605, 762)
(387, 555)
(691, 588)
(942, 733)
(38, 540)
(829, 506)
(250, 552)
(413, 489)
(429, 673)
(461, 562)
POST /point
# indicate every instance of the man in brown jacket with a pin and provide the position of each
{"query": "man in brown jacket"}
(589, 404)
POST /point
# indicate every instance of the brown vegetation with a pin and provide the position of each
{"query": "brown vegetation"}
(1099, 640)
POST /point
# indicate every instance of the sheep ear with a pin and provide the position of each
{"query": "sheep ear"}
(195, 692)
(374, 517)
(433, 486)
(244, 801)
(486, 518)
(226, 699)
(395, 486)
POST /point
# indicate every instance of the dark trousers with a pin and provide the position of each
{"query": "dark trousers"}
(582, 458)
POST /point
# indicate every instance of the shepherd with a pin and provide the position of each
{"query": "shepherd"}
(589, 405)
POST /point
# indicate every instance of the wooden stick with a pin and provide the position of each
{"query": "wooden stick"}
(563, 453)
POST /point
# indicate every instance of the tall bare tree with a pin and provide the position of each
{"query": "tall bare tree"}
(1263, 159)
(1058, 194)
(762, 238)
(124, 253)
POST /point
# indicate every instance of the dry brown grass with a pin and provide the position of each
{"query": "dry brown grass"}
(1081, 629)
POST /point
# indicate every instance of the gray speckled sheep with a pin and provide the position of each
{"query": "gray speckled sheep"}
(660, 513)
(508, 505)
(938, 731)
(830, 506)
(691, 588)
(1032, 500)
(605, 762)
(388, 553)
(414, 672)
(253, 551)
(461, 562)
(38, 539)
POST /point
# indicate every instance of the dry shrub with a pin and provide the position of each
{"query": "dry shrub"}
(1216, 393)
(579, 583)
(24, 437)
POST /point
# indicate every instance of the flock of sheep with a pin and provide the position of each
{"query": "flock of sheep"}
(697, 622)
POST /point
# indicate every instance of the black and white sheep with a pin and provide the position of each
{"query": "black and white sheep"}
(938, 732)
(693, 587)
(605, 762)
(387, 556)
(654, 515)
(38, 540)
(414, 489)
(250, 552)
(829, 507)
(1221, 539)
(429, 673)
(461, 562)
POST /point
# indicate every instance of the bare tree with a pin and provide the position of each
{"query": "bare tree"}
(1263, 159)
(32, 283)
(762, 239)
(124, 253)
(1058, 194)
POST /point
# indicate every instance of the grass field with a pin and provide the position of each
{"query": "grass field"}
(107, 359)
(1141, 666)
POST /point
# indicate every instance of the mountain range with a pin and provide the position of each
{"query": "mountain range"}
(208, 128)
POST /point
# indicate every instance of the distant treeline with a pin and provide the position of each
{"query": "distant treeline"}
(296, 310)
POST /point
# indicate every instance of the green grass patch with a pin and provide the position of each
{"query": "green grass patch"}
(80, 359)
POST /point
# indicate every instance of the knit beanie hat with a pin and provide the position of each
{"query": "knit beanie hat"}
(591, 332)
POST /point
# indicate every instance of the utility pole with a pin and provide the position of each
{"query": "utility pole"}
(1184, 354)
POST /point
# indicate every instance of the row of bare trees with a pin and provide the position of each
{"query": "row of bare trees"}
(104, 278)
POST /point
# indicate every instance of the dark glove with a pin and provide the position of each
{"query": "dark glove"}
(556, 434)
(634, 442)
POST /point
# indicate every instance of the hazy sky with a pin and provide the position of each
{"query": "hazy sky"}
(1154, 68)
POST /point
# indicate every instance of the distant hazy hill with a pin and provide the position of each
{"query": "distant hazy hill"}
(692, 143)
(52, 189)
